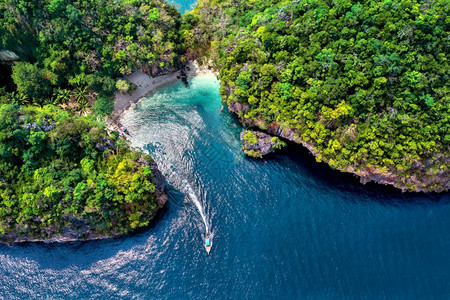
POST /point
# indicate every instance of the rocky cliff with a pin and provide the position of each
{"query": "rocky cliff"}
(258, 144)
(437, 183)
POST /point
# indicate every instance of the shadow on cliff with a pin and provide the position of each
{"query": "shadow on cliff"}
(346, 182)
(349, 183)
(85, 254)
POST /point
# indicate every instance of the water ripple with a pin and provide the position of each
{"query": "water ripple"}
(283, 228)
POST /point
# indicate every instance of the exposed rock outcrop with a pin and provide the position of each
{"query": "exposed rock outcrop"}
(158, 180)
(257, 144)
(237, 107)
(45, 127)
(155, 69)
(106, 144)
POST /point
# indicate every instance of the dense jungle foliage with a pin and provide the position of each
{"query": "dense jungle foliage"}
(71, 48)
(61, 174)
(365, 83)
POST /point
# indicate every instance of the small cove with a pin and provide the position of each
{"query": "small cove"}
(285, 227)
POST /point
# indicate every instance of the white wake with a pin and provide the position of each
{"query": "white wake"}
(187, 189)
(190, 192)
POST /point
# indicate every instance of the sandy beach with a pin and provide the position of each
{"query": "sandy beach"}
(196, 70)
(147, 84)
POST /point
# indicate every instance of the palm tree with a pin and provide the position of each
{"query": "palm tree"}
(18, 97)
(23, 99)
(61, 96)
(82, 106)
(82, 98)
(81, 95)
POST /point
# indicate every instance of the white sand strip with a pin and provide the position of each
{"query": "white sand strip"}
(193, 69)
(147, 84)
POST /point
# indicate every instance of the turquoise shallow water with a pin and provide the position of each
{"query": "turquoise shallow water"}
(183, 5)
(282, 228)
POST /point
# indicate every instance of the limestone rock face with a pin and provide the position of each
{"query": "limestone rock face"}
(158, 180)
(257, 144)
(45, 127)
(437, 183)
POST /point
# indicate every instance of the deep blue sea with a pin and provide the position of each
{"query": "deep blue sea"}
(283, 228)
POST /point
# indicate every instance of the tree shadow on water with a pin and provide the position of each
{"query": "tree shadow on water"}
(298, 157)
(349, 184)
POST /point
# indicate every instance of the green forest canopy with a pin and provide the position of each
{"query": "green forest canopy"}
(61, 173)
(69, 44)
(365, 83)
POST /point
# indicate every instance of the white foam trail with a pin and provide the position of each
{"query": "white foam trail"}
(187, 189)
(194, 199)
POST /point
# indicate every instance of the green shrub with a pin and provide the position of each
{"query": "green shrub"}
(250, 138)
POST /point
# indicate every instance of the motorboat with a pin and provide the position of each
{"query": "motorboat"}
(208, 242)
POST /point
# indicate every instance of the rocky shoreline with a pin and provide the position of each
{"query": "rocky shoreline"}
(439, 183)
(84, 232)
(258, 144)
(145, 85)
